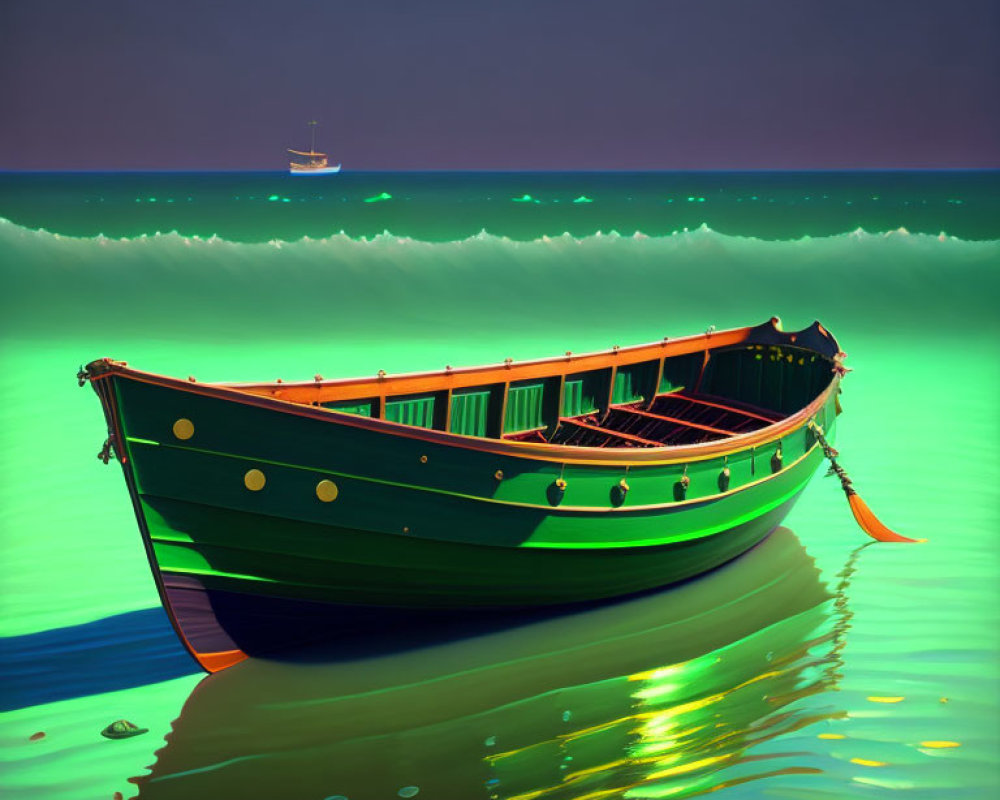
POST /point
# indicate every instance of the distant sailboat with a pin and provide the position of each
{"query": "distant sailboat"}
(316, 164)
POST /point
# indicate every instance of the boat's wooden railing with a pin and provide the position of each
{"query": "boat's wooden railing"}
(622, 386)
(382, 386)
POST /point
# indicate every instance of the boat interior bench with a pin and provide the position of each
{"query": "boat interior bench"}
(671, 419)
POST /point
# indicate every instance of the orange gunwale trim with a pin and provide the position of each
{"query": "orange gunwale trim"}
(467, 377)
(263, 395)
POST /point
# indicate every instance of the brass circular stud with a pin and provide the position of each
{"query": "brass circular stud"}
(623, 485)
(423, 459)
(183, 428)
(406, 529)
(254, 480)
(561, 484)
(327, 491)
(498, 474)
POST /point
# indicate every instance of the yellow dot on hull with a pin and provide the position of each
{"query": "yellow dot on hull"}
(940, 744)
(864, 762)
(832, 736)
(183, 428)
(886, 699)
(327, 491)
(254, 480)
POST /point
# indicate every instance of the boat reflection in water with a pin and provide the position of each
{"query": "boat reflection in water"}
(668, 694)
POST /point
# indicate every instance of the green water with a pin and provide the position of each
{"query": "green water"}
(916, 313)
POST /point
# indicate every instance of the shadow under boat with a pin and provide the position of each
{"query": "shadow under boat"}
(660, 691)
(123, 651)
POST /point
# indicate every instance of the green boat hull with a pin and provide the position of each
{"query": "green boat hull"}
(506, 706)
(265, 520)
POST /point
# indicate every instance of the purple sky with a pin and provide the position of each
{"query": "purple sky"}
(518, 84)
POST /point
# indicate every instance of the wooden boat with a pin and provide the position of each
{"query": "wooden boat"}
(315, 163)
(269, 510)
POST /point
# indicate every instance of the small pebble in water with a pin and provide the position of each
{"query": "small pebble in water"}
(409, 791)
(122, 729)
(36, 736)
(491, 741)
(567, 716)
(117, 796)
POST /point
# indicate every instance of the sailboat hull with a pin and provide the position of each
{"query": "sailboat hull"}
(319, 171)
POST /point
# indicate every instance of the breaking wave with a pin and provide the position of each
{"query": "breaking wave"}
(165, 283)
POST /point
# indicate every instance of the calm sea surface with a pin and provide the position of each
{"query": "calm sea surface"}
(813, 667)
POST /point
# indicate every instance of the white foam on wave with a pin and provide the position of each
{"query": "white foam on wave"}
(386, 237)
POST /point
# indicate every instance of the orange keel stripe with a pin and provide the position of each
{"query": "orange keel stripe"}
(215, 662)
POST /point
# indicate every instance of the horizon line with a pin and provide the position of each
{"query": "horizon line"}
(480, 171)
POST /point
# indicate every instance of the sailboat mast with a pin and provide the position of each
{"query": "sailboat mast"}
(311, 162)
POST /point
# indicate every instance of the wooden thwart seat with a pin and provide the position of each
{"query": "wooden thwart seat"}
(715, 418)
(753, 412)
(670, 419)
(665, 418)
(575, 431)
(664, 430)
